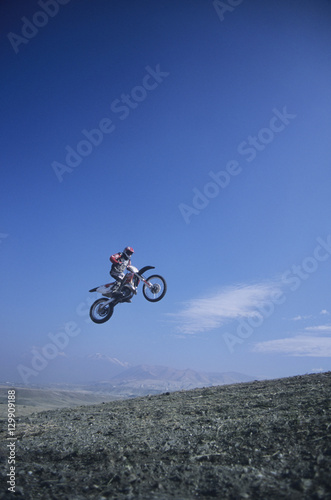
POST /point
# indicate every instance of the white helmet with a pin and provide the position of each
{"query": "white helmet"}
(127, 252)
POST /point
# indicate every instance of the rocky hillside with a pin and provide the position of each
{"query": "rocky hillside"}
(256, 440)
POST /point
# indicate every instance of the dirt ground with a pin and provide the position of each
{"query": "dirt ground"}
(257, 440)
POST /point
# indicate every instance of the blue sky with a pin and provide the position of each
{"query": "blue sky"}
(197, 133)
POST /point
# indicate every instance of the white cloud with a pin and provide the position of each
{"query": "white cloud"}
(300, 318)
(202, 314)
(300, 345)
(319, 329)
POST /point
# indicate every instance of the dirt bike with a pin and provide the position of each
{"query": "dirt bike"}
(154, 289)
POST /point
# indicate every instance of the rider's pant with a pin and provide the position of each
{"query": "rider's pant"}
(118, 276)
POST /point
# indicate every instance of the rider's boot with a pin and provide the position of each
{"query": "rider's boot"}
(116, 287)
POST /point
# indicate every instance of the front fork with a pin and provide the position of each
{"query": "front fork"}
(143, 279)
(108, 302)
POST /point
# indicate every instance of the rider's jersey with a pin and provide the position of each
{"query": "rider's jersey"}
(120, 263)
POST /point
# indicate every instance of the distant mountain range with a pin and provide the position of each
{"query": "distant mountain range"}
(110, 372)
(164, 378)
(101, 373)
(98, 377)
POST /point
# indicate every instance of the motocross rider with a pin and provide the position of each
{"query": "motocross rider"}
(120, 261)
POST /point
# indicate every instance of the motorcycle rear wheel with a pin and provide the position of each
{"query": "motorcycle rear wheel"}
(158, 289)
(100, 313)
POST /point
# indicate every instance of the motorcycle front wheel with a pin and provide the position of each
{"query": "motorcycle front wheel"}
(100, 313)
(158, 289)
